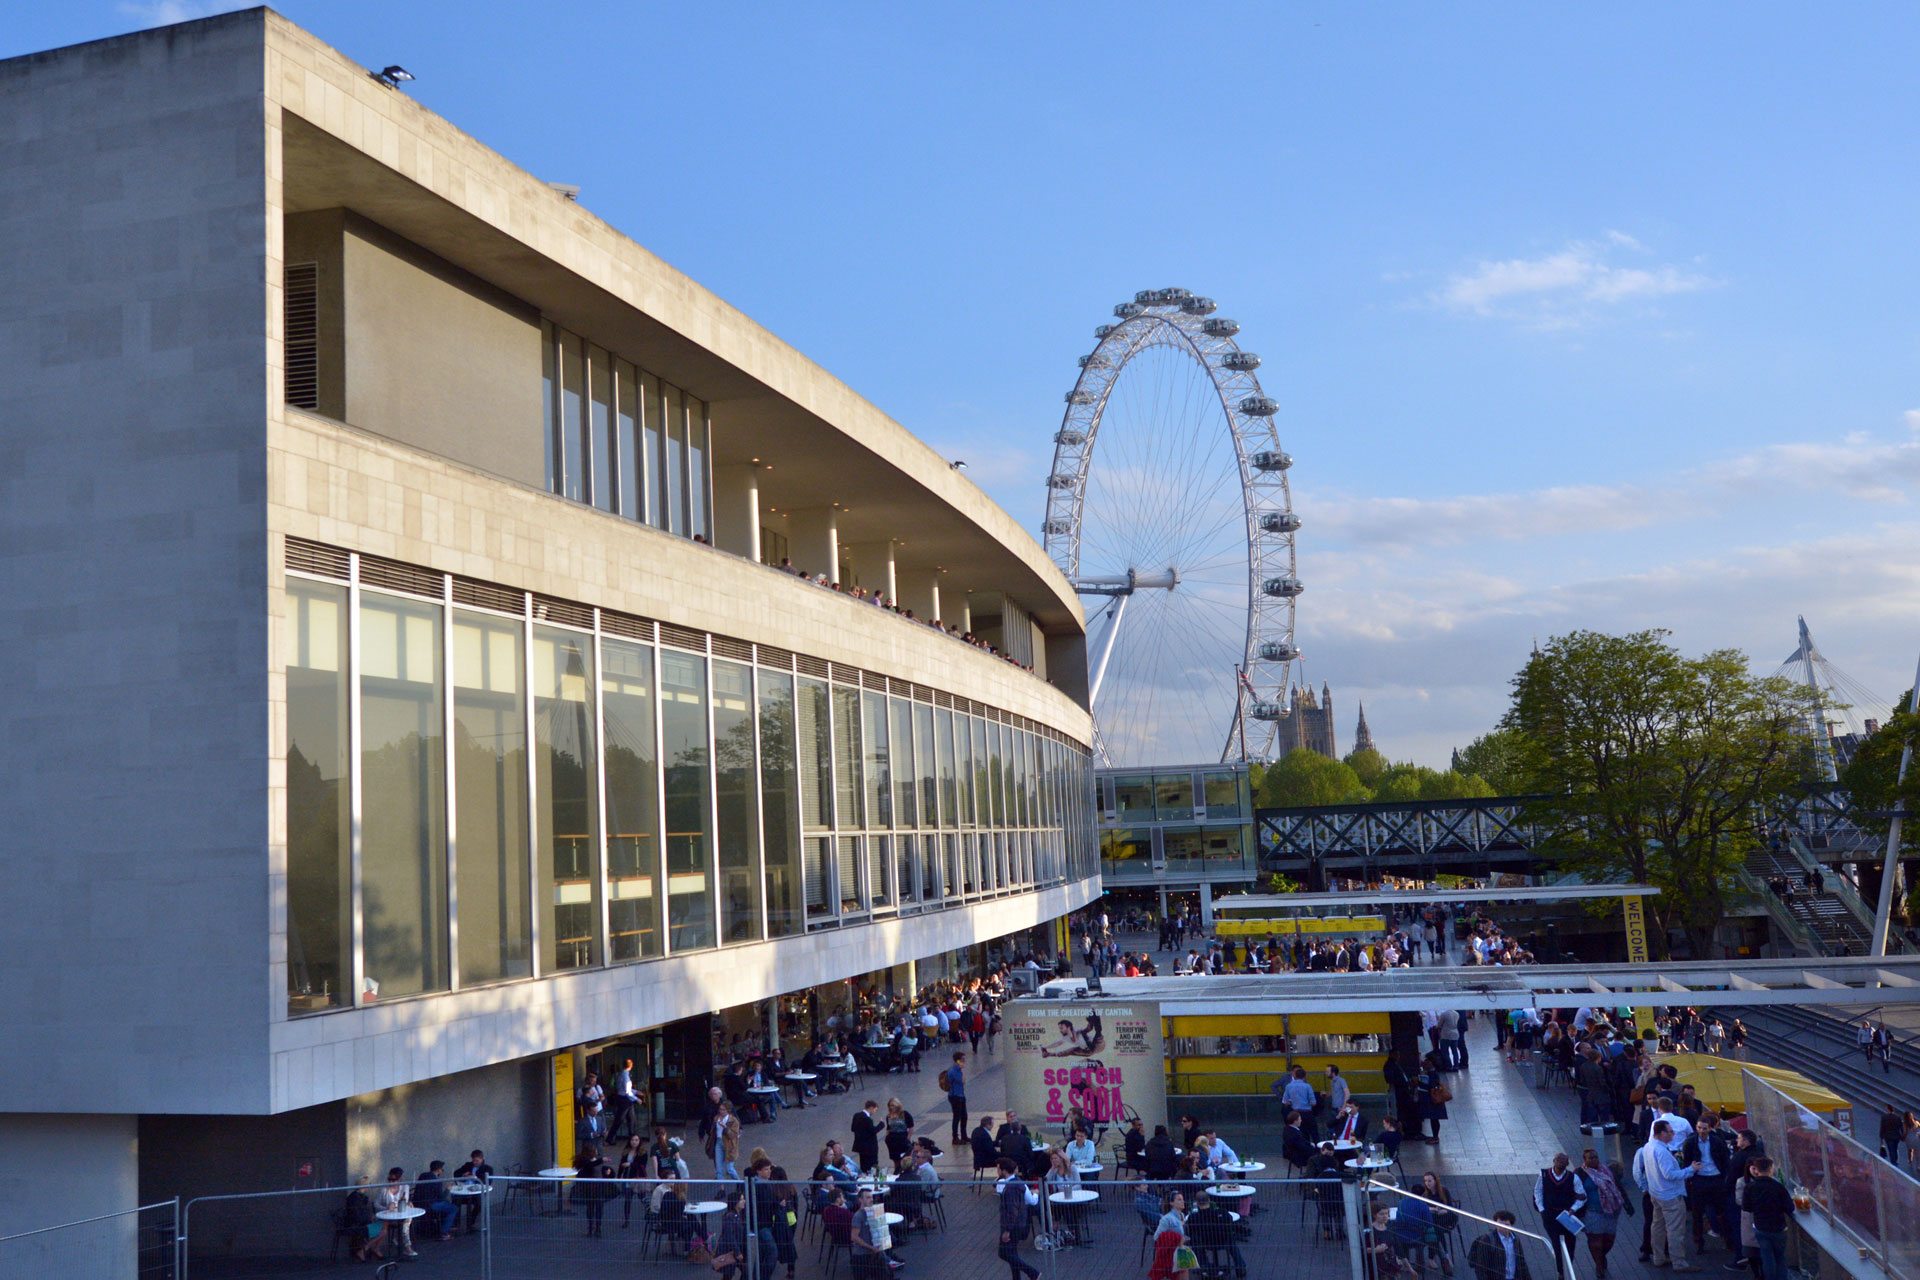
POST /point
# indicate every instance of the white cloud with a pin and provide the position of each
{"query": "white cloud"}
(1568, 287)
(164, 13)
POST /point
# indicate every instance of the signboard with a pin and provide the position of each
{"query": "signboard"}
(1637, 951)
(1108, 1058)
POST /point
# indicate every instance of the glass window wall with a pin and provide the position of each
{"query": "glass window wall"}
(683, 722)
(490, 789)
(628, 458)
(633, 799)
(573, 442)
(565, 801)
(673, 405)
(403, 826)
(600, 429)
(698, 474)
(780, 807)
(319, 803)
(873, 735)
(736, 799)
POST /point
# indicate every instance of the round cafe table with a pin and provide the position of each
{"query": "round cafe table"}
(1090, 1169)
(1229, 1191)
(1074, 1201)
(1363, 1165)
(400, 1215)
(557, 1175)
(800, 1080)
(466, 1196)
(701, 1208)
(1346, 1145)
(894, 1219)
(765, 1091)
(1244, 1167)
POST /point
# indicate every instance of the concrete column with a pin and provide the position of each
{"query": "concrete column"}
(813, 541)
(919, 591)
(1206, 906)
(736, 510)
(873, 562)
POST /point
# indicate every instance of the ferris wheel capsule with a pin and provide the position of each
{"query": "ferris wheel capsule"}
(1094, 360)
(1197, 306)
(1279, 522)
(1100, 331)
(1282, 588)
(1240, 361)
(1266, 711)
(1077, 396)
(1276, 651)
(1220, 328)
(1259, 406)
(1128, 310)
(1072, 439)
(1271, 460)
(1062, 481)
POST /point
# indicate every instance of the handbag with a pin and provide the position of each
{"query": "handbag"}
(1185, 1259)
(722, 1261)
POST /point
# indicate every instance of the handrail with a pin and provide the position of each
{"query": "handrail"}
(1377, 1185)
(1782, 915)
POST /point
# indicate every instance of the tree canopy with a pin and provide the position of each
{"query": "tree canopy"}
(1657, 767)
(1871, 776)
(1500, 758)
(1304, 779)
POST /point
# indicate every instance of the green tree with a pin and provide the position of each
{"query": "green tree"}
(1656, 766)
(1500, 758)
(1368, 765)
(1872, 776)
(1302, 778)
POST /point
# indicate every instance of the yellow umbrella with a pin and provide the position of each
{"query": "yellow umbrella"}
(1717, 1082)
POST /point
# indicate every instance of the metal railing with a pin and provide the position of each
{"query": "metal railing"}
(1869, 1203)
(135, 1243)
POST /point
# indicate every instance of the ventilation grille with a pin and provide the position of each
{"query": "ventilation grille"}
(873, 680)
(621, 624)
(378, 571)
(846, 674)
(301, 352)
(565, 612)
(922, 694)
(487, 595)
(941, 698)
(318, 558)
(772, 657)
(819, 668)
(728, 647)
(683, 637)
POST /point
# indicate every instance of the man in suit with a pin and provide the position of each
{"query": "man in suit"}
(866, 1136)
(1496, 1255)
(1349, 1125)
(1016, 1143)
(1294, 1143)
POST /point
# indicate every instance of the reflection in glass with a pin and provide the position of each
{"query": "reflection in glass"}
(403, 861)
(736, 798)
(633, 792)
(490, 786)
(549, 421)
(683, 723)
(874, 740)
(600, 429)
(697, 468)
(673, 403)
(319, 804)
(654, 446)
(846, 758)
(1221, 793)
(779, 806)
(573, 444)
(566, 807)
(1173, 796)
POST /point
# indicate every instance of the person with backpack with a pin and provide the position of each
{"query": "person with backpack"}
(1434, 1096)
(953, 1083)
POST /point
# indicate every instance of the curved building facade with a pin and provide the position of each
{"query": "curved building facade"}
(416, 563)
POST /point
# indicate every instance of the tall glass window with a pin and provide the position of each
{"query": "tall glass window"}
(874, 739)
(629, 463)
(697, 476)
(490, 789)
(949, 789)
(997, 772)
(683, 725)
(549, 408)
(923, 756)
(906, 776)
(633, 799)
(403, 826)
(846, 757)
(736, 798)
(780, 807)
(653, 444)
(848, 872)
(982, 773)
(319, 802)
(566, 807)
(674, 406)
(573, 442)
(600, 432)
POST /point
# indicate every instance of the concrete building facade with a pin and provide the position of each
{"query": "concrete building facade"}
(408, 691)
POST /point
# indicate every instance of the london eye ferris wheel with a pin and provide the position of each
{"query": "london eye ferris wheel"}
(1169, 510)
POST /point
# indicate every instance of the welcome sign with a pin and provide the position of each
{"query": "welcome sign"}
(1106, 1059)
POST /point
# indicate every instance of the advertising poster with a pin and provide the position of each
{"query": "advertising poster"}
(1107, 1058)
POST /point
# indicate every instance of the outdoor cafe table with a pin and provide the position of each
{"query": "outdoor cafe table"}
(469, 1191)
(800, 1080)
(1090, 1168)
(1072, 1199)
(894, 1219)
(556, 1175)
(701, 1208)
(1243, 1168)
(1362, 1164)
(765, 1091)
(1229, 1191)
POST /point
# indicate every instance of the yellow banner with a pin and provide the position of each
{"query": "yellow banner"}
(563, 1109)
(1635, 910)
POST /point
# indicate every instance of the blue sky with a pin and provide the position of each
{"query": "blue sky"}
(1598, 318)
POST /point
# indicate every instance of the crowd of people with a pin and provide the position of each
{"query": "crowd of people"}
(863, 596)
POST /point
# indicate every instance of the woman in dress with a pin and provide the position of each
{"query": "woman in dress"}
(632, 1168)
(899, 1131)
(1605, 1203)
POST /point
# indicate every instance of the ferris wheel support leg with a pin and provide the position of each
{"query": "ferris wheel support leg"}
(1106, 650)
